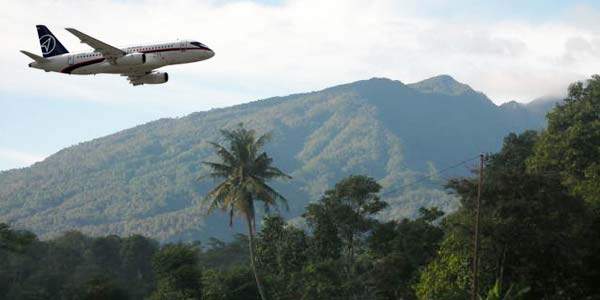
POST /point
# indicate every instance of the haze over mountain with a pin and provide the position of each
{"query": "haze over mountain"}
(143, 180)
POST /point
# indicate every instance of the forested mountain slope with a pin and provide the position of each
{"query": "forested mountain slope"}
(143, 180)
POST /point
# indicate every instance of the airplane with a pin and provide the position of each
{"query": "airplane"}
(138, 63)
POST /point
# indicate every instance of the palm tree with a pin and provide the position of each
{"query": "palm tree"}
(245, 170)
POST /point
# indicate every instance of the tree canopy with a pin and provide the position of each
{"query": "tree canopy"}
(570, 146)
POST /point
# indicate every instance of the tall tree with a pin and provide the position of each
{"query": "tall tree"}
(532, 231)
(570, 146)
(245, 169)
(340, 222)
(281, 252)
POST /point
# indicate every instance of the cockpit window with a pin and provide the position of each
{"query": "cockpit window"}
(198, 44)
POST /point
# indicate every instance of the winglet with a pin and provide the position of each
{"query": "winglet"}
(37, 58)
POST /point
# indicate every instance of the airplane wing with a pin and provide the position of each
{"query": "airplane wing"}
(109, 52)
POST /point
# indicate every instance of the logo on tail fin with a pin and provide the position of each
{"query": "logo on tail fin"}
(48, 44)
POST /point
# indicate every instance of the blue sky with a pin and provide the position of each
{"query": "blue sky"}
(510, 50)
(530, 10)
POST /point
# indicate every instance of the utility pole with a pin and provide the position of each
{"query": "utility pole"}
(475, 271)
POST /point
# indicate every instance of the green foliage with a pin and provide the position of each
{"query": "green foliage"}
(222, 256)
(340, 222)
(570, 146)
(178, 275)
(324, 280)
(351, 254)
(74, 266)
(344, 214)
(14, 241)
(100, 288)
(282, 253)
(399, 250)
(236, 283)
(447, 276)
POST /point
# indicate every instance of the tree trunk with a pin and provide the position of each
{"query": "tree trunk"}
(253, 259)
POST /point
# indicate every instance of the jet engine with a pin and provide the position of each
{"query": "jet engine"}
(132, 59)
(152, 78)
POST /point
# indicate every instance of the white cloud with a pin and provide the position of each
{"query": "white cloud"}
(300, 45)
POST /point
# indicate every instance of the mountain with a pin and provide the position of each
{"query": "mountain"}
(531, 115)
(143, 179)
(542, 105)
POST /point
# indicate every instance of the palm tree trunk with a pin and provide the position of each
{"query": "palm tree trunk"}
(253, 259)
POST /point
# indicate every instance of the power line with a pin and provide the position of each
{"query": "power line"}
(423, 178)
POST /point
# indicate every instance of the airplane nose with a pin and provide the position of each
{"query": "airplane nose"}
(211, 53)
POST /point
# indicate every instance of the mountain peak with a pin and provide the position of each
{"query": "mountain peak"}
(374, 82)
(384, 80)
(442, 84)
(514, 105)
(374, 86)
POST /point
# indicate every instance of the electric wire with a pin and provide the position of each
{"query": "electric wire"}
(426, 177)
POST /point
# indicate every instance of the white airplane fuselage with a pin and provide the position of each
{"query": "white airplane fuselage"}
(144, 59)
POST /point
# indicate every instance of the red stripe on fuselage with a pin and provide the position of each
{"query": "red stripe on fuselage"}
(70, 68)
(172, 49)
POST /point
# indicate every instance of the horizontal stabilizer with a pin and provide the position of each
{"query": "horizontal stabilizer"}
(34, 57)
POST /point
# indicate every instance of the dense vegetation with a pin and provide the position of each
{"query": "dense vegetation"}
(350, 255)
(143, 180)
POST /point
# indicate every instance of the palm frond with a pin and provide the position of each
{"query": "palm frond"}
(218, 195)
(224, 154)
(218, 170)
(262, 140)
(273, 172)
(268, 195)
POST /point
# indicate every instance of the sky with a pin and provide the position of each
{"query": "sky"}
(510, 50)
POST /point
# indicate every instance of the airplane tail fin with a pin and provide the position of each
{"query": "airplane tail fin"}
(50, 45)
(37, 58)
